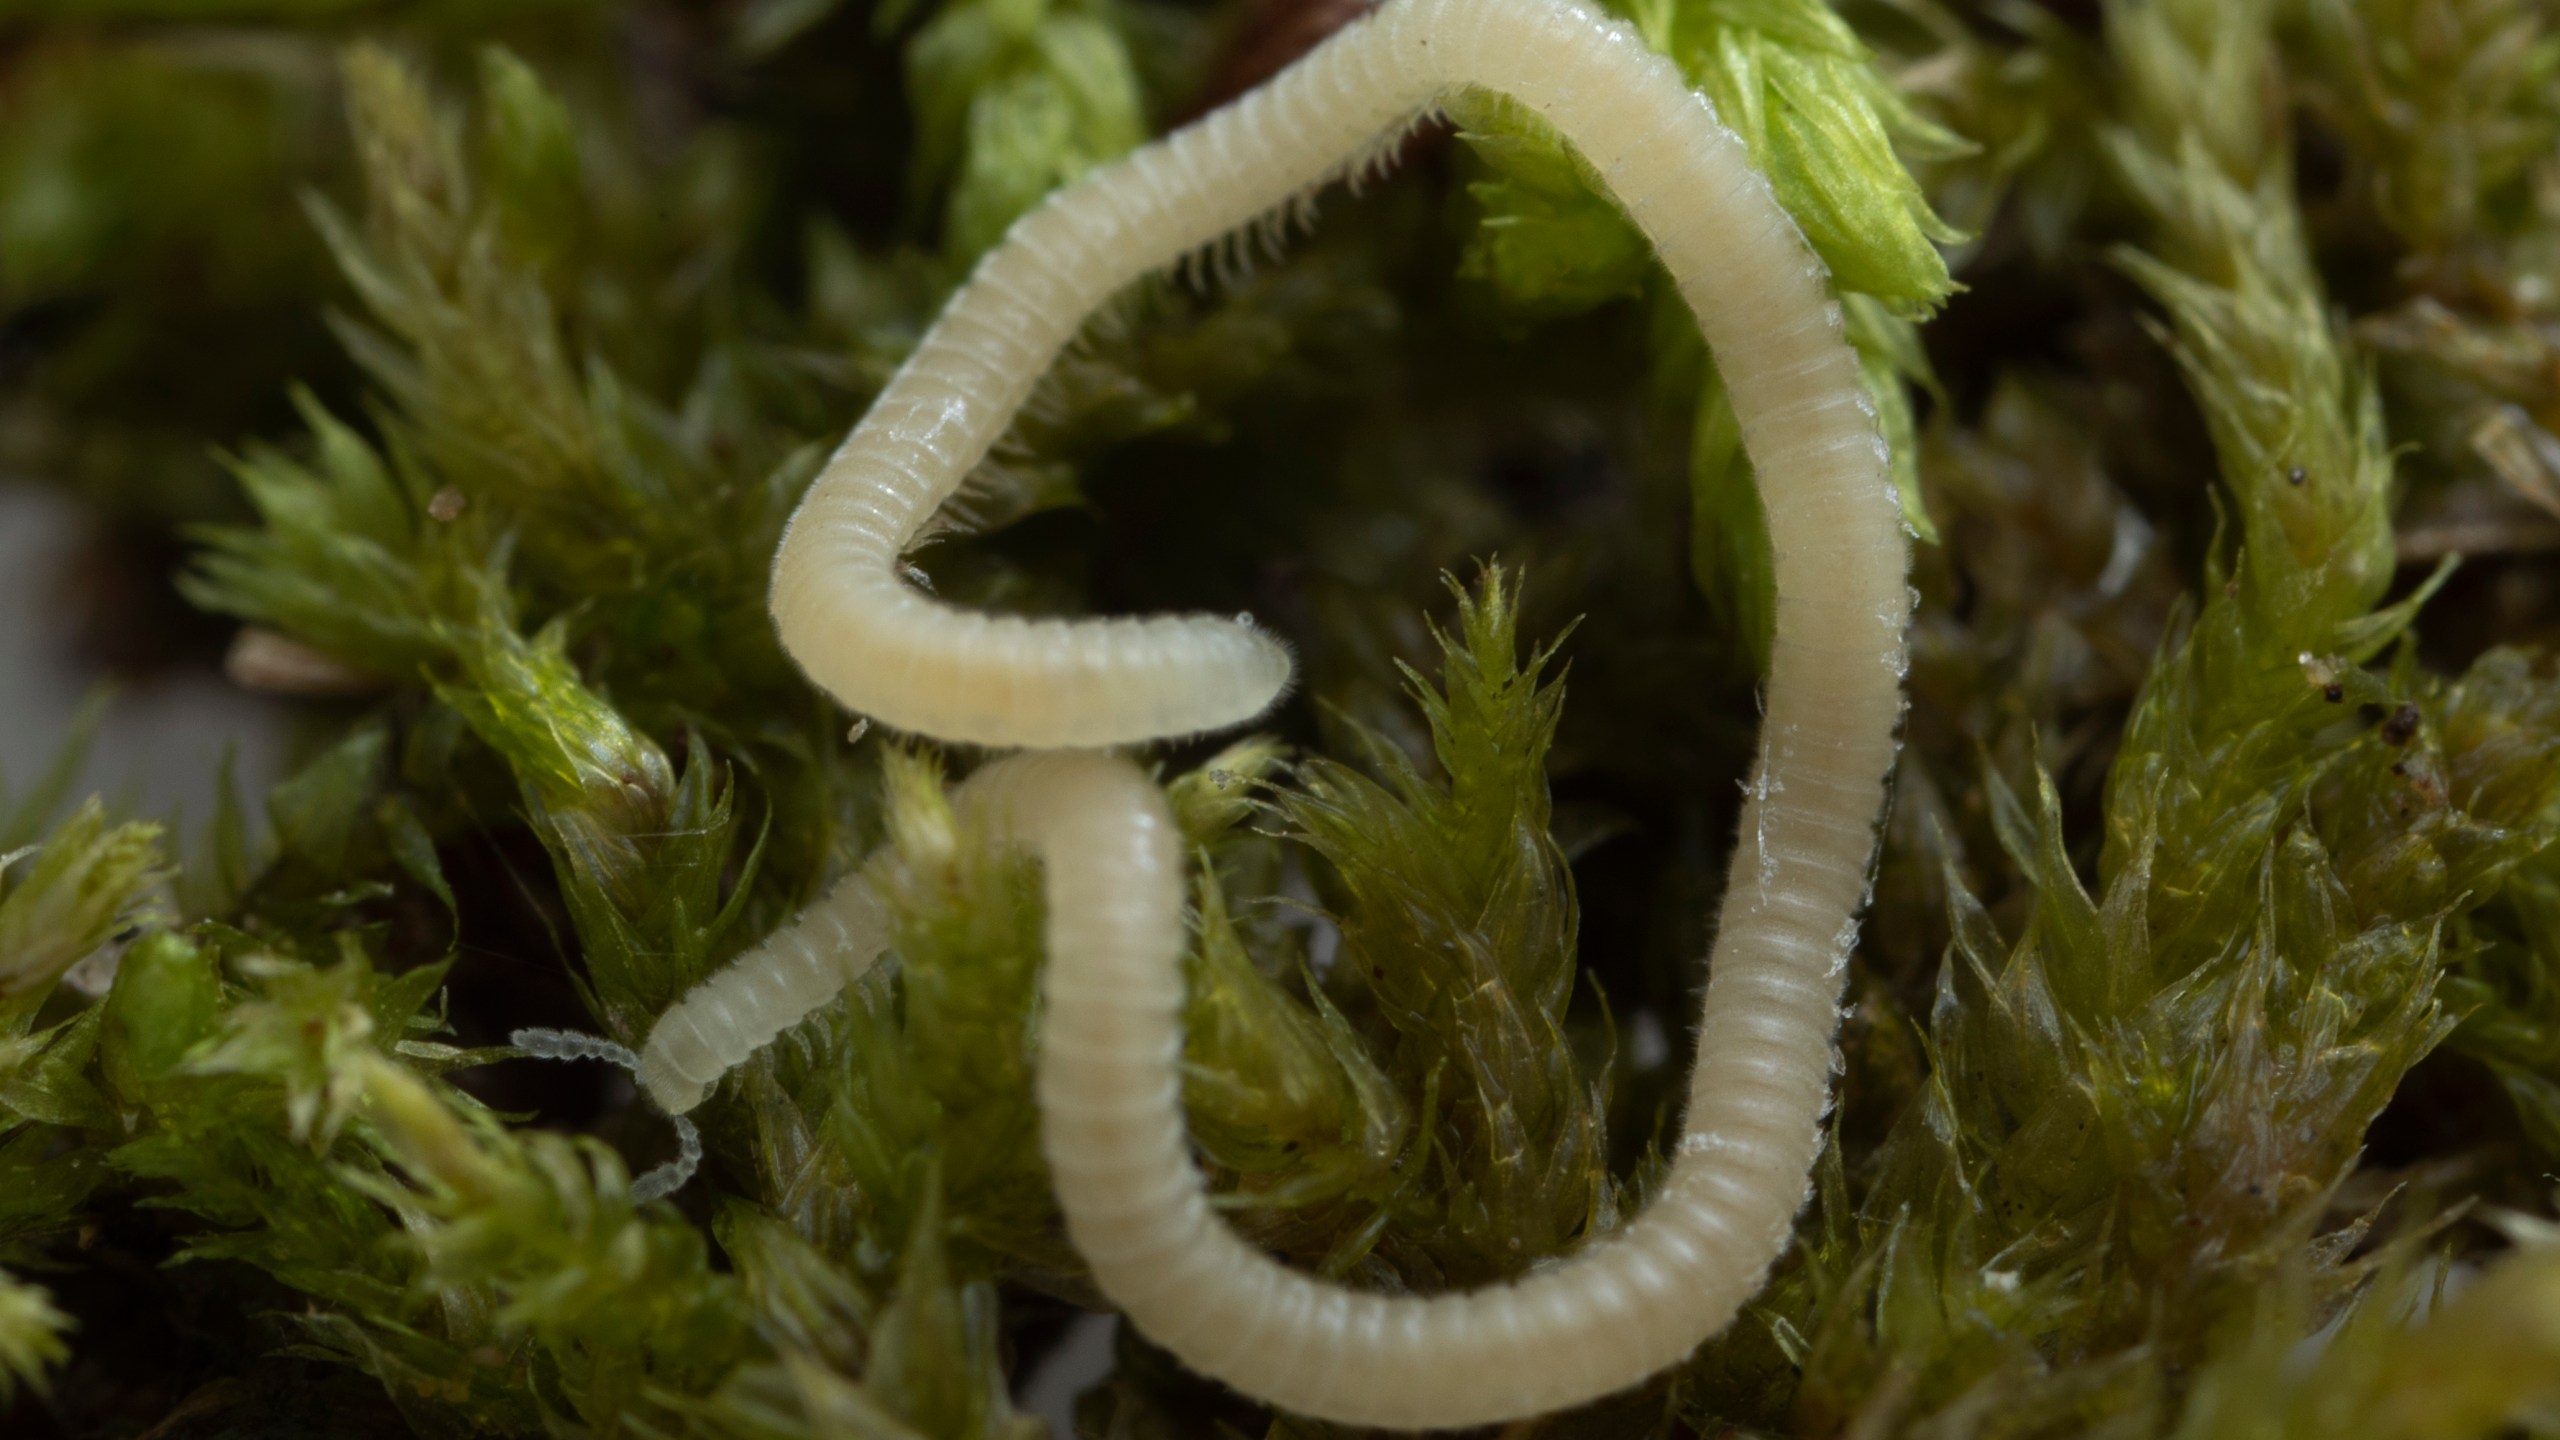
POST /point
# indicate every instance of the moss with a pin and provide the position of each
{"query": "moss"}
(2202, 1070)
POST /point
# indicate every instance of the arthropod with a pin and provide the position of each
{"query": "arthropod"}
(1629, 1303)
(569, 1045)
(767, 990)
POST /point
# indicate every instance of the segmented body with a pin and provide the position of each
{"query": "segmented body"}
(1631, 1302)
(655, 1184)
(767, 990)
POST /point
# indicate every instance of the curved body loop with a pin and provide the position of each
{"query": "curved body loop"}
(1629, 1303)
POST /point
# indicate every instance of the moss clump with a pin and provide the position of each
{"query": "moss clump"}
(2203, 1070)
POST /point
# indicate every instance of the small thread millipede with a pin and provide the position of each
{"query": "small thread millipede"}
(1629, 1303)
(655, 1184)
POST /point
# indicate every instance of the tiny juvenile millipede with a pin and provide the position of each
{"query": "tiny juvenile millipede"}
(1629, 1303)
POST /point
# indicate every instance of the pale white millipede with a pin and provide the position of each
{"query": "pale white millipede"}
(767, 990)
(1626, 1304)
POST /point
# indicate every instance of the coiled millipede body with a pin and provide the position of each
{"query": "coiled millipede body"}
(1627, 1304)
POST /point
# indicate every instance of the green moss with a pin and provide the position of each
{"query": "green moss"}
(2202, 1070)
